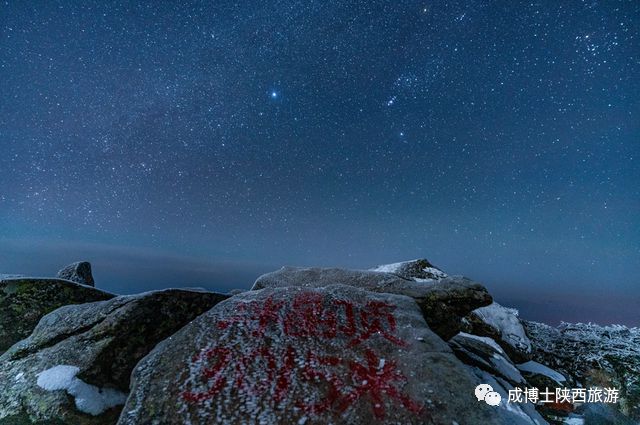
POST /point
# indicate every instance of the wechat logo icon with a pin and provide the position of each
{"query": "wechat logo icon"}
(485, 392)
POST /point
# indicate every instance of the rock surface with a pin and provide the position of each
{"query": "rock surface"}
(503, 325)
(76, 365)
(485, 354)
(300, 355)
(443, 302)
(24, 301)
(79, 272)
(418, 270)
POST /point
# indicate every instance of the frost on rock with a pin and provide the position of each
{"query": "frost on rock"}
(88, 398)
(540, 369)
(419, 270)
(593, 355)
(504, 323)
(336, 354)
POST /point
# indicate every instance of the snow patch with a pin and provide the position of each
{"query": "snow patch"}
(395, 268)
(485, 340)
(88, 398)
(389, 268)
(535, 367)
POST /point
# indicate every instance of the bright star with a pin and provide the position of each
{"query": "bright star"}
(274, 94)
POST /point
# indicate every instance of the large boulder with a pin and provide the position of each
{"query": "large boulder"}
(302, 355)
(75, 366)
(443, 302)
(79, 272)
(503, 325)
(419, 270)
(23, 302)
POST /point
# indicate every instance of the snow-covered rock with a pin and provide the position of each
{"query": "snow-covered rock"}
(483, 352)
(536, 368)
(420, 270)
(299, 355)
(503, 325)
(593, 355)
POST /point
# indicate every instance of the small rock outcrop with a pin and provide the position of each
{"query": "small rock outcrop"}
(443, 302)
(504, 326)
(75, 367)
(300, 355)
(78, 272)
(23, 302)
(419, 270)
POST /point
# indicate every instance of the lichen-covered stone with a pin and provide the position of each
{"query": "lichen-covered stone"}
(24, 301)
(443, 302)
(300, 355)
(103, 341)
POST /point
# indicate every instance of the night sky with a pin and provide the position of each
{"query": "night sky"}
(204, 143)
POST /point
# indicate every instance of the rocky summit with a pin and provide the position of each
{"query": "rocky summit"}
(403, 343)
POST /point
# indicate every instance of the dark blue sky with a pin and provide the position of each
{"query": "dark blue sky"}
(202, 143)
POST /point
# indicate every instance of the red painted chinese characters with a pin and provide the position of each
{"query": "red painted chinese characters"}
(343, 380)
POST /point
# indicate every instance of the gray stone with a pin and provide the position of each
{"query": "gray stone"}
(443, 302)
(485, 353)
(76, 365)
(503, 325)
(296, 355)
(509, 413)
(24, 301)
(418, 270)
(79, 272)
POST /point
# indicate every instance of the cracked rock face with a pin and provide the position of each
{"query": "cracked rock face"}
(100, 343)
(79, 272)
(443, 302)
(335, 354)
(24, 301)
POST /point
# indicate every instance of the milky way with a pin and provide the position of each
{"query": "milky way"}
(201, 143)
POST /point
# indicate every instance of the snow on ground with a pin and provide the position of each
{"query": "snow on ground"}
(88, 398)
(535, 367)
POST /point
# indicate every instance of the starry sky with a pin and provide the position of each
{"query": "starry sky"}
(202, 143)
